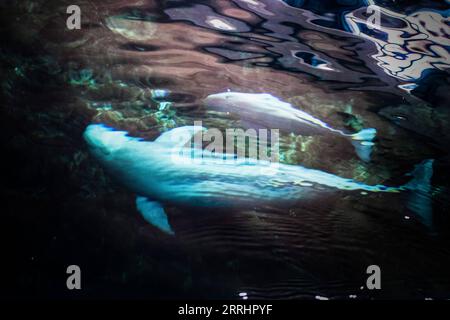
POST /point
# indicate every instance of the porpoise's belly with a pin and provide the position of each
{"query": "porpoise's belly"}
(225, 185)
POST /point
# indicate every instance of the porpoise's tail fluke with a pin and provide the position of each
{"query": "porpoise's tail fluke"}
(362, 142)
(419, 200)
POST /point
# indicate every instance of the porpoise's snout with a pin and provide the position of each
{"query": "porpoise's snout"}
(221, 101)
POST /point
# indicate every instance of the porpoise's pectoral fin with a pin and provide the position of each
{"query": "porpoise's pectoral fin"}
(179, 136)
(153, 213)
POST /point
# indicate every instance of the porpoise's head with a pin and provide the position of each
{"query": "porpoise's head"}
(103, 141)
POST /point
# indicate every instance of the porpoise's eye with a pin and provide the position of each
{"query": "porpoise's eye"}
(227, 97)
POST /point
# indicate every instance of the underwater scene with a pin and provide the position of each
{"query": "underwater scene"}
(228, 149)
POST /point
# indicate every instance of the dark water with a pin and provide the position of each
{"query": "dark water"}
(145, 67)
